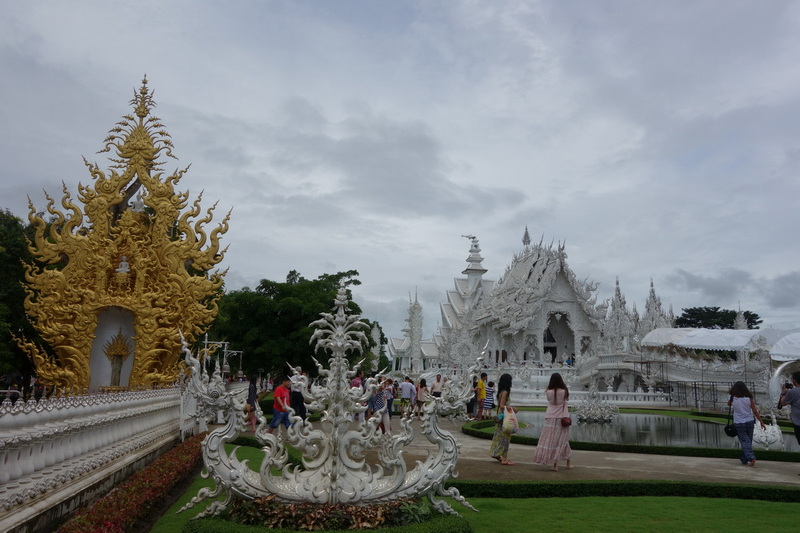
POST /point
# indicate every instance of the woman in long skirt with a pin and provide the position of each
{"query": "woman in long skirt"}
(554, 441)
(501, 439)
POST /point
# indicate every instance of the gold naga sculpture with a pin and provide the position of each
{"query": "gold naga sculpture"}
(131, 247)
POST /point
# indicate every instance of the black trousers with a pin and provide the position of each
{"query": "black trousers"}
(298, 404)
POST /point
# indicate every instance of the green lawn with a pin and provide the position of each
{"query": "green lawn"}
(579, 515)
(552, 515)
(626, 515)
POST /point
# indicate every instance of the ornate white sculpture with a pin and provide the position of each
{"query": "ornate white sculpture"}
(334, 467)
(594, 409)
(771, 437)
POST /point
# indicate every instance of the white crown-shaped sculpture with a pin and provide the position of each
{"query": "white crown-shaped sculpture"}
(334, 468)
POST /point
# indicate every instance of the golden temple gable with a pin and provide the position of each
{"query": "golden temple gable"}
(128, 261)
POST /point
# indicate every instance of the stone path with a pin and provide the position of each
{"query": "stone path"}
(474, 463)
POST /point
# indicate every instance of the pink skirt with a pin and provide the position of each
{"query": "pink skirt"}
(553, 443)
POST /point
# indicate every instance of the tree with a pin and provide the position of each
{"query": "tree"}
(714, 318)
(14, 364)
(270, 324)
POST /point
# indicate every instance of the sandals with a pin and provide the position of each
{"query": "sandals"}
(507, 463)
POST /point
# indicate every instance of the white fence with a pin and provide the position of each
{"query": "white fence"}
(48, 444)
(533, 397)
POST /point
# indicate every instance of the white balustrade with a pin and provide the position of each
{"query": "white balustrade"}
(47, 443)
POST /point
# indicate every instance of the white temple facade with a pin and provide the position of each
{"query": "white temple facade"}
(538, 315)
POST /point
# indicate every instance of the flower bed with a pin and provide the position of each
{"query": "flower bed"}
(140, 496)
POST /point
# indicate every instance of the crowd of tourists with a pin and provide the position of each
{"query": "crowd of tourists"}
(494, 403)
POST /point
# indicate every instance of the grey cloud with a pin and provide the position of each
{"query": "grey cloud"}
(722, 287)
(783, 291)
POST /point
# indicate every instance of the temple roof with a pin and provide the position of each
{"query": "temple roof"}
(706, 339)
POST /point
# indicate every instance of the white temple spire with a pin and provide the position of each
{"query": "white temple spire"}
(474, 270)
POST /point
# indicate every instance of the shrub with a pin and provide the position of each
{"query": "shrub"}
(437, 524)
(136, 498)
(580, 489)
(270, 512)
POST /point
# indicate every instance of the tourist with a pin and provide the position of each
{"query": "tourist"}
(408, 396)
(488, 403)
(380, 406)
(501, 439)
(480, 396)
(422, 396)
(744, 415)
(473, 399)
(280, 404)
(791, 396)
(298, 402)
(554, 441)
(391, 392)
(371, 402)
(437, 386)
(252, 399)
(356, 382)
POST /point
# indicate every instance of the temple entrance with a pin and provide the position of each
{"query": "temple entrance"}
(112, 350)
(558, 339)
(550, 347)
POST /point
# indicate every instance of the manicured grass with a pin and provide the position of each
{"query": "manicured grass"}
(625, 515)
(618, 514)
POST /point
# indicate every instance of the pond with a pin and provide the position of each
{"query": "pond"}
(648, 430)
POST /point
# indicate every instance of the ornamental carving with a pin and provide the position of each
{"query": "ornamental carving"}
(127, 244)
(335, 467)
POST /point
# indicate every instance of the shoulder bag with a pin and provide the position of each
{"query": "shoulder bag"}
(729, 429)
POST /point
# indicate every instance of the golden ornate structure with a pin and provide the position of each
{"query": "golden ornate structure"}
(132, 247)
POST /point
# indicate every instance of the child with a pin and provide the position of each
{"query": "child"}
(488, 403)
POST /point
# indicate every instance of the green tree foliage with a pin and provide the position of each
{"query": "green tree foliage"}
(714, 318)
(270, 324)
(14, 364)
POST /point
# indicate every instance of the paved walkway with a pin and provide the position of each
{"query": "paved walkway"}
(474, 463)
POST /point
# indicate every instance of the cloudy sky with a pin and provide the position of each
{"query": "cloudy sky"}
(659, 140)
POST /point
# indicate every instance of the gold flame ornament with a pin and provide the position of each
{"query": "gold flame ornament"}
(128, 244)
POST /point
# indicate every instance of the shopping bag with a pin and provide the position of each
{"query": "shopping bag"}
(510, 424)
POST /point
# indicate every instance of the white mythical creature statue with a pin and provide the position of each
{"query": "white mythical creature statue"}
(334, 468)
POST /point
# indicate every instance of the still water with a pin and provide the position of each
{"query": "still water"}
(648, 430)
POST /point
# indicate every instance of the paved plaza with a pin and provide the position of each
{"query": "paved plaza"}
(474, 463)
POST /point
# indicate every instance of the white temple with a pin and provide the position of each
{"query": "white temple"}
(540, 316)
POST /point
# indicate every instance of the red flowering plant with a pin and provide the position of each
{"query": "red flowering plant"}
(132, 500)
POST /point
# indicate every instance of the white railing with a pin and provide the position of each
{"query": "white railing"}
(47, 443)
(536, 397)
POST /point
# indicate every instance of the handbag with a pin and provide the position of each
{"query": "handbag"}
(566, 421)
(510, 424)
(729, 429)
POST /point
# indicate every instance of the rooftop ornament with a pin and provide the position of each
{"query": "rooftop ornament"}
(334, 468)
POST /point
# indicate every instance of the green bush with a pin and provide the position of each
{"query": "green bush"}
(270, 512)
(580, 489)
(438, 524)
(132, 501)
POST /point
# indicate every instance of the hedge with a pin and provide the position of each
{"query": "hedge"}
(585, 488)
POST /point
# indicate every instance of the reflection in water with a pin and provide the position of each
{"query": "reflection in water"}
(648, 430)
